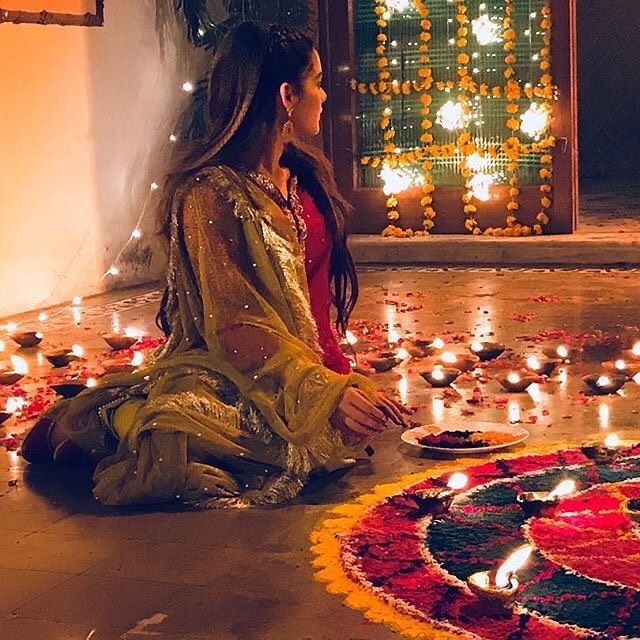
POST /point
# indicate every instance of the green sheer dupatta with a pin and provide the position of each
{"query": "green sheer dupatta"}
(240, 316)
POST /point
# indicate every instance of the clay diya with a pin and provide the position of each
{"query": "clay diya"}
(632, 354)
(543, 367)
(4, 416)
(605, 384)
(499, 587)
(565, 353)
(603, 452)
(9, 377)
(440, 376)
(119, 341)
(536, 504)
(419, 348)
(487, 350)
(516, 381)
(436, 500)
(632, 509)
(27, 339)
(60, 357)
(118, 366)
(461, 361)
(386, 361)
(68, 389)
(621, 366)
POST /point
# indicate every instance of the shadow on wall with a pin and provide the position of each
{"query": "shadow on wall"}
(608, 88)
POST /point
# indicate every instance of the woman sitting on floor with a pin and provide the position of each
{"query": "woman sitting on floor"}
(251, 392)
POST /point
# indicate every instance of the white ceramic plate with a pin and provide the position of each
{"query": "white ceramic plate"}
(518, 435)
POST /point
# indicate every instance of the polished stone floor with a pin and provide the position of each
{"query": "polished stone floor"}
(72, 570)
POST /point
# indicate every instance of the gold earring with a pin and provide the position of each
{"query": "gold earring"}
(288, 127)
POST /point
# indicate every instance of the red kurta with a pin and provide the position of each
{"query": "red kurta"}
(318, 247)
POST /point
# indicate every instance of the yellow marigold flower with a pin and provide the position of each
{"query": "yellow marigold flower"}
(545, 79)
(470, 223)
(511, 220)
(389, 134)
(461, 43)
(546, 174)
(362, 88)
(542, 218)
(470, 208)
(429, 212)
(512, 206)
(393, 215)
(392, 202)
(390, 147)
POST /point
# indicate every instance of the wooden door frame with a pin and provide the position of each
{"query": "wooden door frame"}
(337, 49)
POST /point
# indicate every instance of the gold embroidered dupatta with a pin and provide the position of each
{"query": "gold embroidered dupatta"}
(241, 328)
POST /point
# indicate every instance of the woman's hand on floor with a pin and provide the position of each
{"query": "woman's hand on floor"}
(357, 414)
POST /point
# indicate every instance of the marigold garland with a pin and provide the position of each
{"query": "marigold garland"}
(512, 148)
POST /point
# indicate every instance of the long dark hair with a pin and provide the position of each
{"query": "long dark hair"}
(239, 117)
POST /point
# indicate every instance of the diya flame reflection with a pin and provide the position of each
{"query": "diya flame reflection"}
(19, 365)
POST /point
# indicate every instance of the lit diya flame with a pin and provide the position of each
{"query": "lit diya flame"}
(636, 349)
(1, 345)
(437, 373)
(513, 378)
(132, 332)
(512, 565)
(19, 365)
(77, 350)
(562, 351)
(612, 441)
(138, 359)
(448, 357)
(458, 481)
(91, 382)
(533, 363)
(565, 488)
(620, 365)
(603, 381)
(477, 346)
(438, 343)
